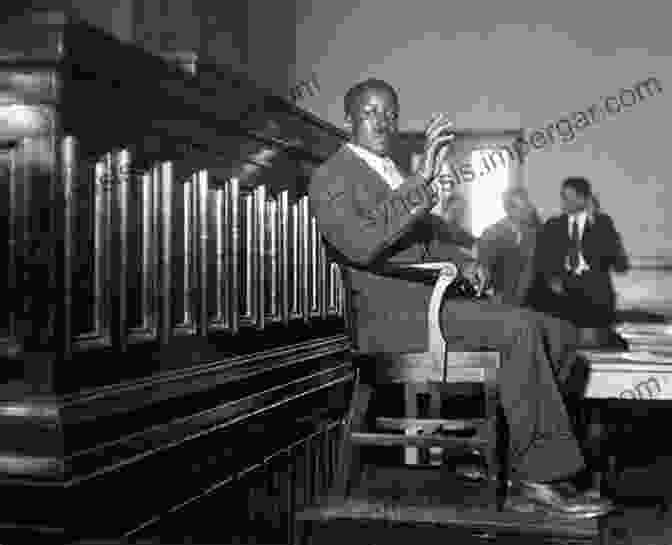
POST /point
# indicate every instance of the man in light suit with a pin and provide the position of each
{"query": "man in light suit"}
(372, 215)
(577, 252)
(507, 247)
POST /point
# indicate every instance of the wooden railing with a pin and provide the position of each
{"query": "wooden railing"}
(130, 218)
(166, 296)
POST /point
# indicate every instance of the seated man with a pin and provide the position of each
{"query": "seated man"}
(372, 215)
(577, 251)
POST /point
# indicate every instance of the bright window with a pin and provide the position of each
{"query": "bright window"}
(492, 173)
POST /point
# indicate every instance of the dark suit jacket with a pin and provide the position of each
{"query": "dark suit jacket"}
(602, 249)
(368, 227)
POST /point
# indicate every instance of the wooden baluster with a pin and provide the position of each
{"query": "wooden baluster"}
(216, 235)
(164, 209)
(202, 254)
(329, 287)
(221, 233)
(259, 251)
(233, 216)
(340, 296)
(313, 266)
(102, 228)
(271, 255)
(149, 256)
(305, 260)
(324, 280)
(248, 247)
(119, 250)
(283, 255)
(333, 289)
(186, 313)
(69, 167)
(295, 262)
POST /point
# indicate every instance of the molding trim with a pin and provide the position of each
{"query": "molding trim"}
(658, 263)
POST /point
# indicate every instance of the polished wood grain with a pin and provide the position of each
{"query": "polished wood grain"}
(174, 337)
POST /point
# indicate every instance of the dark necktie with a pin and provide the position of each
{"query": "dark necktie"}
(575, 247)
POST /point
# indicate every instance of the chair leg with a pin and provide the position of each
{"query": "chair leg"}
(502, 454)
(495, 453)
(412, 455)
(349, 459)
(435, 454)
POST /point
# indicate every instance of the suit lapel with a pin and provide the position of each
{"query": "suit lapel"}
(590, 239)
(565, 230)
(590, 225)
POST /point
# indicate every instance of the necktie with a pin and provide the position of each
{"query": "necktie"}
(575, 247)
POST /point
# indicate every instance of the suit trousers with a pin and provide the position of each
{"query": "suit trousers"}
(589, 300)
(538, 353)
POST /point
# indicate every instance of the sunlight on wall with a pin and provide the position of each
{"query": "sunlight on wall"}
(493, 172)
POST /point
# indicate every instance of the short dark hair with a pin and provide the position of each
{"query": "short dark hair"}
(371, 84)
(578, 184)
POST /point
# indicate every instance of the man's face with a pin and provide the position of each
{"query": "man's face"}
(572, 201)
(518, 209)
(373, 121)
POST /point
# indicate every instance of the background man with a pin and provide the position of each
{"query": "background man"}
(371, 215)
(507, 247)
(577, 251)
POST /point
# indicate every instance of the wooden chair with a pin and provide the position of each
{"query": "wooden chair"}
(390, 506)
(433, 372)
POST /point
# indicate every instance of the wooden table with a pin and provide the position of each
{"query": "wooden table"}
(640, 379)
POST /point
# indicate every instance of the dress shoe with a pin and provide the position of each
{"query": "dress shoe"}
(591, 494)
(471, 472)
(559, 499)
(475, 473)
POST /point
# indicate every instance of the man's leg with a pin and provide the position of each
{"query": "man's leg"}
(542, 445)
(562, 340)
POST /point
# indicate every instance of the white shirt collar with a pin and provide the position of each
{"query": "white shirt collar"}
(384, 166)
(581, 218)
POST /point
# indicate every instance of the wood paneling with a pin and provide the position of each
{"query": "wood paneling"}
(177, 327)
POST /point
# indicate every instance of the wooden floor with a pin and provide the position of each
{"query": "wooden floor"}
(638, 521)
(428, 498)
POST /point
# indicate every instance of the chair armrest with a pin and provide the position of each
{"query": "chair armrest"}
(436, 342)
(425, 272)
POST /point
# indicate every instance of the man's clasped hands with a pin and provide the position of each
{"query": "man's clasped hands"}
(439, 135)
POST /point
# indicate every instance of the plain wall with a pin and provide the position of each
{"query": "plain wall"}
(516, 63)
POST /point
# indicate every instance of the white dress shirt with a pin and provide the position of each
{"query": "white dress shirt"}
(386, 168)
(580, 218)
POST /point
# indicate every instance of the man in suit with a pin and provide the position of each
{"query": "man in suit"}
(577, 252)
(372, 216)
